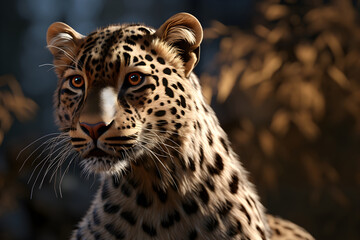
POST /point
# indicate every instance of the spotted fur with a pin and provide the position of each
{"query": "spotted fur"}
(128, 99)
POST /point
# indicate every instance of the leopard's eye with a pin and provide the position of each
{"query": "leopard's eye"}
(77, 81)
(135, 78)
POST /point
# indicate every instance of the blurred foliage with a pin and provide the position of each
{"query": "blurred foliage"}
(13, 103)
(286, 92)
(291, 88)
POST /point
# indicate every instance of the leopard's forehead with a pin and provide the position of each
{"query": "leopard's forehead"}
(104, 51)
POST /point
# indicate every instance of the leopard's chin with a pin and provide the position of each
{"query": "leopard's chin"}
(98, 161)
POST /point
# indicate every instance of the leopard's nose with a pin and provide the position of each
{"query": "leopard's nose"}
(94, 130)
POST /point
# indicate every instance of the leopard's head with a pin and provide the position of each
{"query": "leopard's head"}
(124, 93)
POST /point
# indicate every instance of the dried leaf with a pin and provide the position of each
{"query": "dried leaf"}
(206, 87)
(302, 96)
(249, 79)
(275, 11)
(5, 119)
(334, 44)
(339, 77)
(5, 122)
(263, 92)
(226, 45)
(242, 45)
(272, 63)
(220, 28)
(228, 77)
(306, 54)
(13, 101)
(210, 33)
(261, 31)
(276, 34)
(267, 142)
(280, 122)
(306, 125)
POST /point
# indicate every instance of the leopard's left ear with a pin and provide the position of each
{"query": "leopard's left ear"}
(63, 42)
(184, 32)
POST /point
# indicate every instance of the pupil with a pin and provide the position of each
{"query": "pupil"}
(77, 80)
(134, 78)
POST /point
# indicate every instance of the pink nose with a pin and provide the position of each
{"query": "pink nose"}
(94, 130)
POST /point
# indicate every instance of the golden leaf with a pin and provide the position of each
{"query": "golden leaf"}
(275, 11)
(210, 33)
(334, 44)
(226, 45)
(306, 125)
(261, 31)
(219, 28)
(249, 79)
(206, 87)
(228, 76)
(267, 142)
(5, 121)
(339, 77)
(302, 96)
(280, 122)
(263, 91)
(272, 63)
(306, 54)
(242, 45)
(13, 100)
(276, 34)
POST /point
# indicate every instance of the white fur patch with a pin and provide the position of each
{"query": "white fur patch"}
(60, 39)
(108, 98)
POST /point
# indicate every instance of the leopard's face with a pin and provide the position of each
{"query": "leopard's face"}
(123, 91)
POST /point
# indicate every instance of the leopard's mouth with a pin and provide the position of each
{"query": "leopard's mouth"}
(99, 155)
(96, 152)
(99, 161)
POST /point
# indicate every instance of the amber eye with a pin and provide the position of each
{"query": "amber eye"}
(135, 78)
(77, 81)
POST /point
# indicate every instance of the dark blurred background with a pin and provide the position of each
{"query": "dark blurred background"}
(282, 75)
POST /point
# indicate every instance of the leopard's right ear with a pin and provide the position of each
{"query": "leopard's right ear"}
(184, 32)
(63, 42)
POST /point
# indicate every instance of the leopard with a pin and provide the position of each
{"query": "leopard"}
(133, 110)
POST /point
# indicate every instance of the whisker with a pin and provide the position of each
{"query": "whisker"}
(42, 163)
(62, 177)
(30, 144)
(57, 161)
(54, 66)
(53, 148)
(48, 142)
(68, 55)
(162, 164)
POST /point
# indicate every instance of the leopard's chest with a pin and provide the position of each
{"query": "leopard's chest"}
(123, 209)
